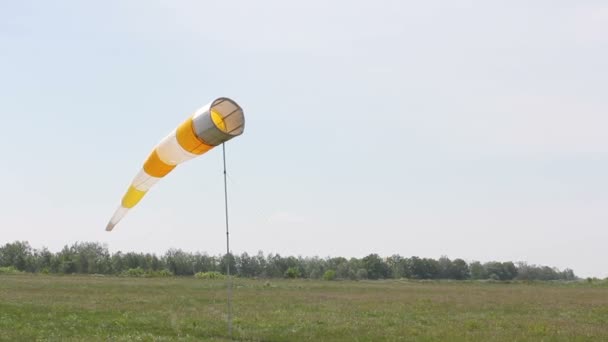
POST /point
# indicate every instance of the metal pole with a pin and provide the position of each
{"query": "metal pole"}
(229, 284)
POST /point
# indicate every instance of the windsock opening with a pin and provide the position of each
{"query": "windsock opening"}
(221, 121)
(228, 116)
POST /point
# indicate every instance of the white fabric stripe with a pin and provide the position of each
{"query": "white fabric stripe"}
(118, 215)
(143, 181)
(201, 111)
(170, 151)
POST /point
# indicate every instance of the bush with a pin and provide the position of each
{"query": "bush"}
(134, 272)
(292, 273)
(160, 274)
(9, 270)
(329, 275)
(209, 275)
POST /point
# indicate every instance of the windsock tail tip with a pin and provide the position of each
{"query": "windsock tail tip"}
(109, 227)
(118, 215)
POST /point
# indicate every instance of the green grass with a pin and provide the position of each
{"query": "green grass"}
(37, 307)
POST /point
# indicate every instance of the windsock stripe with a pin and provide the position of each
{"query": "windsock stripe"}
(188, 140)
(170, 151)
(143, 181)
(156, 167)
(132, 197)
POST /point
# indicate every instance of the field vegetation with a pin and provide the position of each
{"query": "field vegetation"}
(84, 292)
(96, 308)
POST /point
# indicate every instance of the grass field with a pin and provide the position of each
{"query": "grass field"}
(37, 307)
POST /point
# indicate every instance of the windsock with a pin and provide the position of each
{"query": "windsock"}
(210, 126)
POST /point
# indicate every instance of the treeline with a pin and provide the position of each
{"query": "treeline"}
(94, 258)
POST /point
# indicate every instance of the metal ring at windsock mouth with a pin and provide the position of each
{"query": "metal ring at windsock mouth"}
(220, 121)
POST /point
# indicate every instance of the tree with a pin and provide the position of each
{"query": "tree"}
(89, 257)
(361, 274)
(179, 262)
(347, 269)
(423, 268)
(445, 267)
(15, 254)
(293, 262)
(116, 263)
(460, 270)
(228, 259)
(45, 260)
(275, 266)
(154, 262)
(568, 274)
(376, 267)
(414, 267)
(397, 266)
(314, 267)
(133, 260)
(206, 263)
(245, 265)
(342, 267)
(500, 270)
(431, 267)
(260, 261)
(477, 270)
(509, 270)
(493, 270)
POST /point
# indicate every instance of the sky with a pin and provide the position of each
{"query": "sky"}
(472, 129)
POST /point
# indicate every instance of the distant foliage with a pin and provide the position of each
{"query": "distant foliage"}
(159, 274)
(293, 273)
(362, 274)
(134, 272)
(9, 270)
(94, 258)
(375, 267)
(534, 272)
(209, 275)
(329, 275)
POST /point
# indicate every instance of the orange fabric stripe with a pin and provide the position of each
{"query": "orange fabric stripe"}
(188, 140)
(156, 167)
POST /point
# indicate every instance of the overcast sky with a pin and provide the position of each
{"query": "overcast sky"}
(472, 129)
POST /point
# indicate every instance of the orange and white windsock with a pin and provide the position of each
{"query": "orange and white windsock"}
(210, 126)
